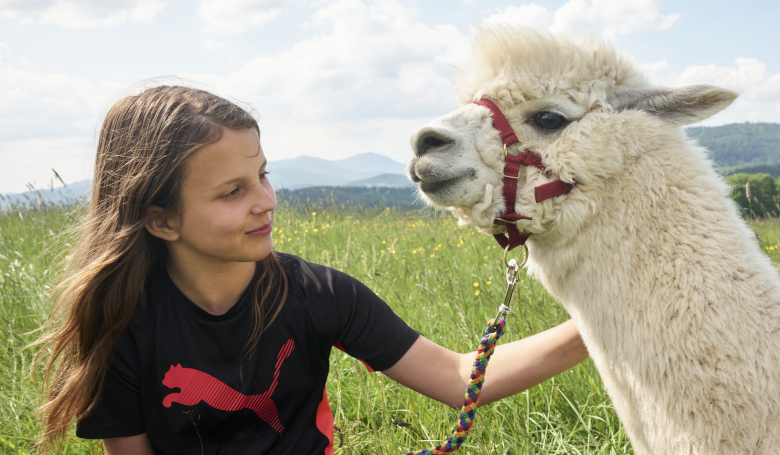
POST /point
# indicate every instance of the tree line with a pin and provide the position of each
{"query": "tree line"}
(741, 147)
(763, 199)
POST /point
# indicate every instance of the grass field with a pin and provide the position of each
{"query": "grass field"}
(445, 281)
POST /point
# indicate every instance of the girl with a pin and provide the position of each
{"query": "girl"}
(179, 329)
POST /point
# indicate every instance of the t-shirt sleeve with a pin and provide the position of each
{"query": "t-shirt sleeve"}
(357, 318)
(118, 412)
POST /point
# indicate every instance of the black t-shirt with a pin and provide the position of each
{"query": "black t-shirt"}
(175, 374)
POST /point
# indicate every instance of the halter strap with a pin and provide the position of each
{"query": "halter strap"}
(500, 122)
(552, 189)
(512, 163)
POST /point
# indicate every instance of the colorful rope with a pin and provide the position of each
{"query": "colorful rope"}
(469, 410)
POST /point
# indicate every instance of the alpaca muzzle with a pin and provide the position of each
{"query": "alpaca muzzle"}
(513, 237)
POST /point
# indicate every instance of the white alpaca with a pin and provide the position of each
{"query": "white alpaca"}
(677, 304)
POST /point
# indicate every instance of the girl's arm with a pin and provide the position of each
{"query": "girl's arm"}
(131, 445)
(442, 374)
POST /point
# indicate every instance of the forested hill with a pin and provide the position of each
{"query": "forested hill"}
(742, 147)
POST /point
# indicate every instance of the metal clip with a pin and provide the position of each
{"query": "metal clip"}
(511, 281)
(503, 312)
(512, 270)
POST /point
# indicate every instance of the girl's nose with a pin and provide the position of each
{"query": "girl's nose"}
(265, 200)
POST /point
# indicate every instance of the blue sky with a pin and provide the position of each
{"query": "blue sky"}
(330, 78)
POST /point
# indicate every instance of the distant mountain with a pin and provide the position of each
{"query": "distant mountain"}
(308, 171)
(365, 170)
(62, 195)
(385, 180)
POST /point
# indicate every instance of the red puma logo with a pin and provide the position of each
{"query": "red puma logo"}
(197, 386)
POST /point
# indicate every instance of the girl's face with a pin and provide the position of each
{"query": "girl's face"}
(227, 203)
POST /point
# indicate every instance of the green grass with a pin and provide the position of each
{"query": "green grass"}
(396, 254)
(28, 246)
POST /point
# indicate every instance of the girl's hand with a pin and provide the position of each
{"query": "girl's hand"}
(442, 374)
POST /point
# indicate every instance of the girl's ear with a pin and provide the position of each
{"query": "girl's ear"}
(160, 224)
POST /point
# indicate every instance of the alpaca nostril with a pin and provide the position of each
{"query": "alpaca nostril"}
(430, 141)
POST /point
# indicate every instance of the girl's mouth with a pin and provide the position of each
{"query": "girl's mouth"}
(262, 231)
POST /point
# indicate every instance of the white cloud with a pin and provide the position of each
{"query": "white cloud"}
(373, 75)
(235, 16)
(45, 105)
(58, 111)
(527, 14)
(5, 53)
(760, 97)
(212, 45)
(373, 61)
(607, 18)
(654, 69)
(81, 13)
(747, 72)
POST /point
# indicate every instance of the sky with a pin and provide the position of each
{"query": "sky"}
(330, 78)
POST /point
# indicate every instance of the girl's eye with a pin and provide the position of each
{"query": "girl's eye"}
(231, 193)
(549, 120)
(264, 175)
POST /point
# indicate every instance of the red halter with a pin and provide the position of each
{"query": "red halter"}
(511, 174)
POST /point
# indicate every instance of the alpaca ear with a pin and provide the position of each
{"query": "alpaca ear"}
(680, 106)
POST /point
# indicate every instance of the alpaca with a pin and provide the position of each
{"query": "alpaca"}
(673, 297)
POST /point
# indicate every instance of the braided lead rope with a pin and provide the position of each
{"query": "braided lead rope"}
(469, 410)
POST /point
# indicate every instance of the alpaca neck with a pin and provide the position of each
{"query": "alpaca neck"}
(651, 217)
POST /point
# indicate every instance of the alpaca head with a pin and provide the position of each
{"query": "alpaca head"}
(582, 108)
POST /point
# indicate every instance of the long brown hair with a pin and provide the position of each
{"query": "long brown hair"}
(144, 145)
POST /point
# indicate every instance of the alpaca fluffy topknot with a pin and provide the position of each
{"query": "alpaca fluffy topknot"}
(513, 65)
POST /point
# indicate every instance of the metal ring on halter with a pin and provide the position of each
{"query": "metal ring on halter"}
(525, 255)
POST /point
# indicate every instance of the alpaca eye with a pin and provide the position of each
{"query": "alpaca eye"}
(549, 120)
